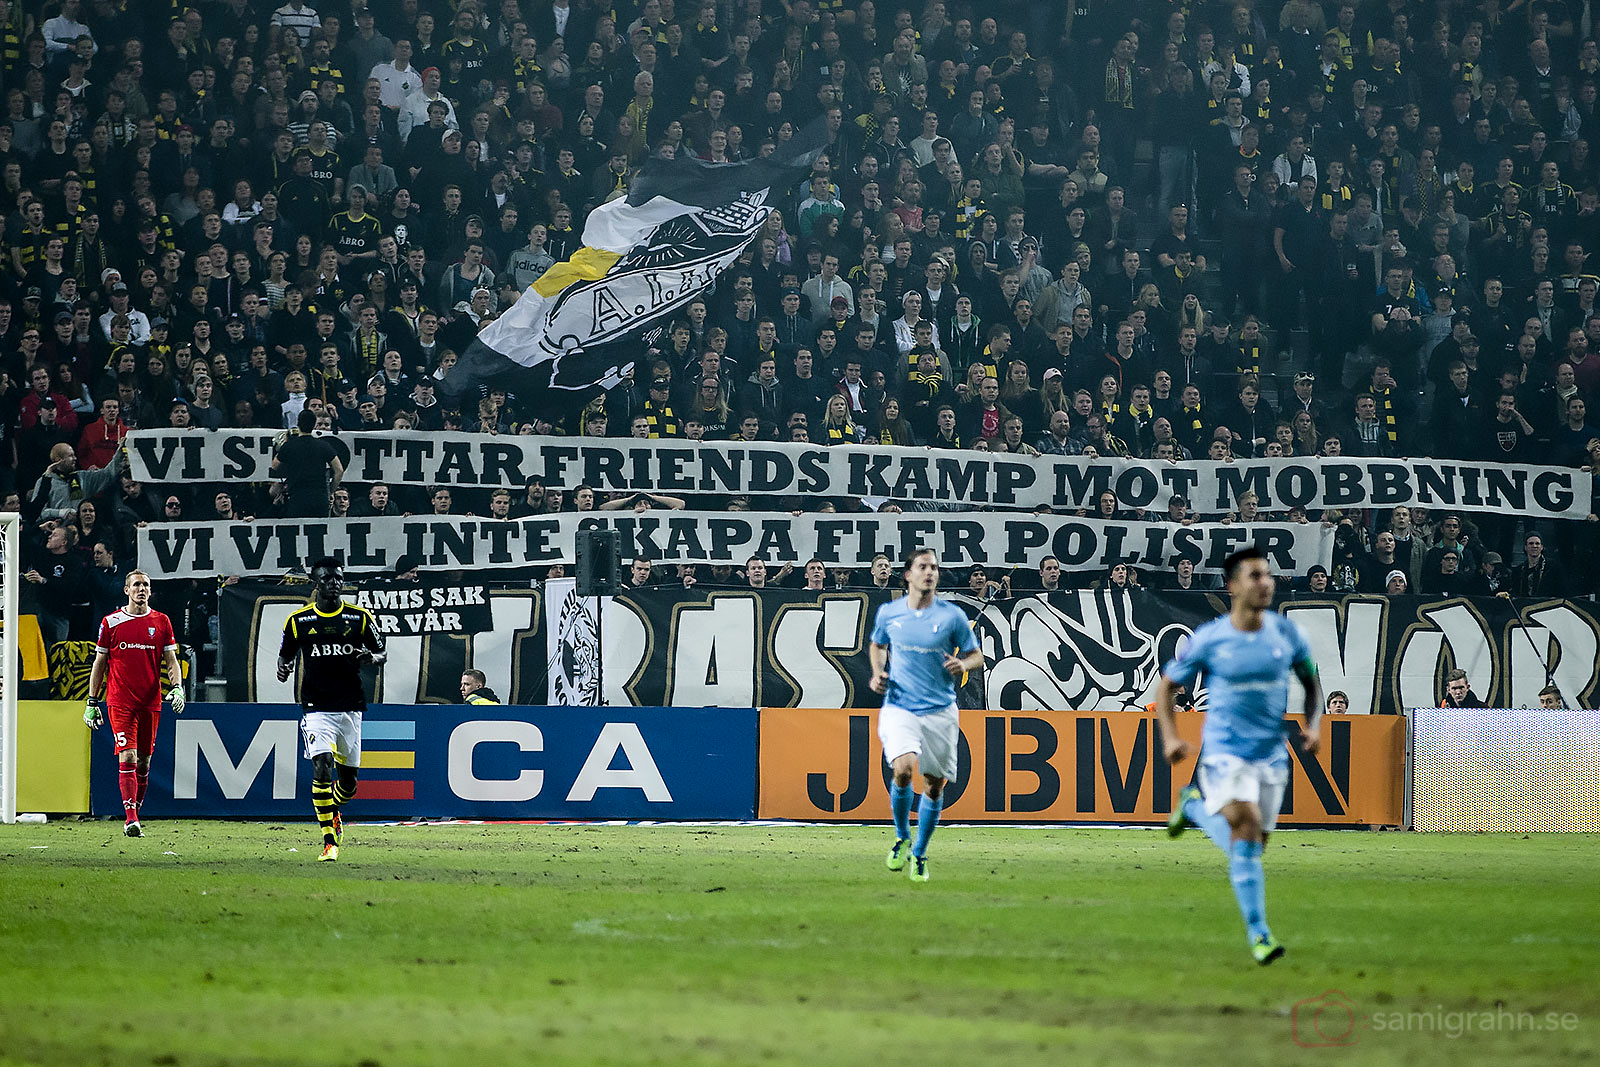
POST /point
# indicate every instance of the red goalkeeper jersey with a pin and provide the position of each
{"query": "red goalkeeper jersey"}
(135, 646)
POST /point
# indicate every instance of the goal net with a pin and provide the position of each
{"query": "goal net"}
(10, 662)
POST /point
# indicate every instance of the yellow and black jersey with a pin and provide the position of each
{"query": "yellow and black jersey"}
(326, 168)
(91, 184)
(351, 236)
(279, 171)
(331, 644)
(31, 244)
(326, 73)
(67, 224)
(1498, 223)
(474, 55)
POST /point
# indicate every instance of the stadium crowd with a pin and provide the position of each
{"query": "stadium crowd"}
(1163, 229)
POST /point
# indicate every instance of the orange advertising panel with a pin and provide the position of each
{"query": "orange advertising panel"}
(1045, 766)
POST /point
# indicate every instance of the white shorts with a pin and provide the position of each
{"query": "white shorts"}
(1225, 779)
(932, 738)
(335, 732)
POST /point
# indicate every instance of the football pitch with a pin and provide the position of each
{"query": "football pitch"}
(226, 943)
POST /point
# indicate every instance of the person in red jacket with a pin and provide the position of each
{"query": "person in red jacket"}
(39, 388)
(98, 445)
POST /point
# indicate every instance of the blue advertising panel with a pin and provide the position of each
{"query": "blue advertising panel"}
(479, 761)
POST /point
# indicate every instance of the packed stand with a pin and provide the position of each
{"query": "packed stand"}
(1165, 231)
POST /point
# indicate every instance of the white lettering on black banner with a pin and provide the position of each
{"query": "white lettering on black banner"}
(407, 609)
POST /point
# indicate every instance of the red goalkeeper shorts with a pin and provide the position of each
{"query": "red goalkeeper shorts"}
(134, 730)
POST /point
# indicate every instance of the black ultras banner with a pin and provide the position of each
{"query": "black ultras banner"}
(951, 477)
(424, 664)
(1085, 651)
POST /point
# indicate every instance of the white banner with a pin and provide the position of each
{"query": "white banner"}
(572, 632)
(993, 539)
(976, 479)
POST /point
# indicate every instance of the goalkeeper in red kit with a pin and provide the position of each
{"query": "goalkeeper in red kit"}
(134, 643)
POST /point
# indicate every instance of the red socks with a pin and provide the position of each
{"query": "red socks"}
(144, 784)
(128, 782)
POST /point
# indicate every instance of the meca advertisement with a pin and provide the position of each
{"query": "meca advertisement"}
(466, 761)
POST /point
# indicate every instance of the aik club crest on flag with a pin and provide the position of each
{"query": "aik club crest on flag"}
(576, 329)
(681, 260)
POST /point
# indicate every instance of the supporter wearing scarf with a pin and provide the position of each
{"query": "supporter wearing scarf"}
(1388, 417)
(1119, 84)
(1384, 391)
(1248, 347)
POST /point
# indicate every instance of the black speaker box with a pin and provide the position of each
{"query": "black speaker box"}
(599, 562)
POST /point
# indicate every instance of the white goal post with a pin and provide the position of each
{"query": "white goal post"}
(10, 667)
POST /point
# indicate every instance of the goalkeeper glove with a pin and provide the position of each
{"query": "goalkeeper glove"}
(175, 697)
(94, 713)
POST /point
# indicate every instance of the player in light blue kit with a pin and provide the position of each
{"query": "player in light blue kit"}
(1246, 655)
(920, 646)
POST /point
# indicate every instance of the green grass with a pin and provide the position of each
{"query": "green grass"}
(507, 945)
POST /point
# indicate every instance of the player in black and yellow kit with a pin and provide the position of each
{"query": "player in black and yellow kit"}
(335, 639)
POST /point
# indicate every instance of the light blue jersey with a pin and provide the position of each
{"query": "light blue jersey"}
(1247, 682)
(918, 641)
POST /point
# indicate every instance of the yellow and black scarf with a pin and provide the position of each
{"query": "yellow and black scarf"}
(1249, 361)
(917, 382)
(663, 423)
(1387, 414)
(369, 355)
(640, 113)
(1119, 86)
(839, 433)
(967, 212)
(1333, 197)
(11, 40)
(524, 73)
